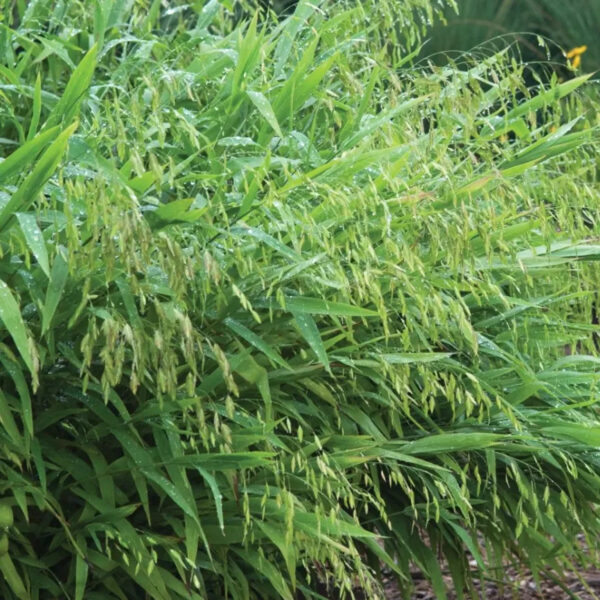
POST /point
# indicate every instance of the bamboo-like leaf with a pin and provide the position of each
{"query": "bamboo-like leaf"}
(81, 573)
(25, 154)
(10, 317)
(265, 109)
(67, 108)
(58, 280)
(13, 369)
(224, 462)
(590, 436)
(318, 306)
(216, 492)
(548, 96)
(451, 442)
(263, 566)
(256, 341)
(35, 181)
(310, 332)
(35, 239)
(37, 108)
(7, 420)
(287, 550)
(12, 577)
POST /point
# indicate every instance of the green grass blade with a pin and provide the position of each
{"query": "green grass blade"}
(452, 442)
(265, 109)
(310, 332)
(256, 341)
(35, 181)
(67, 107)
(37, 109)
(35, 239)
(58, 280)
(26, 154)
(10, 316)
(317, 306)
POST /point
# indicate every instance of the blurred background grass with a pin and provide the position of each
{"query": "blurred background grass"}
(567, 23)
(491, 23)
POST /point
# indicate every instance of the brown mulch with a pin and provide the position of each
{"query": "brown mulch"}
(518, 584)
(520, 587)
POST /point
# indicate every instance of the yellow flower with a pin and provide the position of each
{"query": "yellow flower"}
(574, 56)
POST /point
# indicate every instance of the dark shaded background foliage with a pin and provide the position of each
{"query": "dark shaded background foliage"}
(472, 23)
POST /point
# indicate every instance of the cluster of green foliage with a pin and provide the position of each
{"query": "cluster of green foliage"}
(565, 24)
(278, 308)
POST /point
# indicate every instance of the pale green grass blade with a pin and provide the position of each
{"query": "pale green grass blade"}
(452, 442)
(309, 330)
(265, 109)
(317, 306)
(35, 239)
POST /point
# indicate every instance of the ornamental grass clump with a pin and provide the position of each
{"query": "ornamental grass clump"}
(280, 310)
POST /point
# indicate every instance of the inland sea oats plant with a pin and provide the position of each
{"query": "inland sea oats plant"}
(280, 310)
